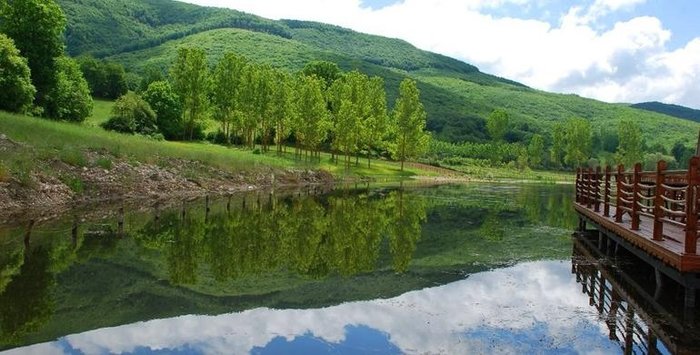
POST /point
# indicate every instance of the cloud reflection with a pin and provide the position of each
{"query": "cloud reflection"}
(534, 306)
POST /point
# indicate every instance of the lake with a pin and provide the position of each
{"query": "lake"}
(450, 269)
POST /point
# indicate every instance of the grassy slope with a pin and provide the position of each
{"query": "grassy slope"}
(45, 141)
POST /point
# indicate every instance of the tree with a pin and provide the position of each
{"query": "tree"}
(326, 71)
(132, 114)
(190, 79)
(409, 117)
(227, 85)
(556, 154)
(578, 142)
(535, 150)
(629, 149)
(348, 99)
(106, 80)
(497, 124)
(167, 107)
(311, 118)
(281, 107)
(37, 28)
(70, 98)
(376, 124)
(16, 89)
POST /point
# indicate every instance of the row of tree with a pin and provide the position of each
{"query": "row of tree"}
(321, 107)
(40, 77)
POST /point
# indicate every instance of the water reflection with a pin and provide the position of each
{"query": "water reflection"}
(278, 251)
(637, 318)
(529, 307)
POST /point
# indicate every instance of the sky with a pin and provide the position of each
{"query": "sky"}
(612, 50)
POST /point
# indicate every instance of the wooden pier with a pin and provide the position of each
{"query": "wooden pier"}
(653, 214)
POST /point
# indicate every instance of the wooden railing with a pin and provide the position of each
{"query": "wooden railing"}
(667, 197)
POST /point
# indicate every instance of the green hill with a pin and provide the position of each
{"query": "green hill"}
(671, 110)
(457, 96)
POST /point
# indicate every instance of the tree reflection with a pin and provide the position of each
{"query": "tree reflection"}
(313, 238)
(26, 302)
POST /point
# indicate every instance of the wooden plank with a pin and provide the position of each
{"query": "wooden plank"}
(670, 250)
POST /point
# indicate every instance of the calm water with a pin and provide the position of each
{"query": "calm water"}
(446, 269)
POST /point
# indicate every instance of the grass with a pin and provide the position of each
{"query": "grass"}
(44, 141)
(67, 142)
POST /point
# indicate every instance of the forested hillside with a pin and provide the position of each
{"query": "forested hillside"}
(457, 96)
(671, 110)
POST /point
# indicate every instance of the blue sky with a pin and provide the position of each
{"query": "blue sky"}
(611, 50)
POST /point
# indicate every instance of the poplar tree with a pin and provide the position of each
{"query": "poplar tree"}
(578, 142)
(227, 84)
(376, 124)
(629, 148)
(190, 78)
(281, 108)
(311, 113)
(535, 150)
(409, 117)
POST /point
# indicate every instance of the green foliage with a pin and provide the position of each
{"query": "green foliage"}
(167, 107)
(70, 98)
(409, 118)
(74, 183)
(137, 24)
(191, 82)
(16, 89)
(132, 114)
(311, 117)
(104, 163)
(578, 142)
(535, 150)
(226, 91)
(324, 70)
(106, 79)
(497, 124)
(37, 26)
(629, 150)
(671, 110)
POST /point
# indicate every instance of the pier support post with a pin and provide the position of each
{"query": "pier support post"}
(689, 299)
(659, 284)
(120, 223)
(601, 240)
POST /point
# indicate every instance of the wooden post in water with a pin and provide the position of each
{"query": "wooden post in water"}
(691, 212)
(606, 191)
(618, 202)
(635, 196)
(596, 190)
(578, 185)
(659, 201)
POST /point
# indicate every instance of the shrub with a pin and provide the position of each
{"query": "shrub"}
(131, 114)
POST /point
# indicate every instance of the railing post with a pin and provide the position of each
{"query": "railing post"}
(691, 213)
(659, 200)
(635, 196)
(589, 189)
(618, 197)
(606, 191)
(596, 190)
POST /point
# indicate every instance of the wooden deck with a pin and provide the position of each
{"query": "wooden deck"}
(652, 211)
(670, 250)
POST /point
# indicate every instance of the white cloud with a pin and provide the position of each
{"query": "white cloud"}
(541, 299)
(624, 62)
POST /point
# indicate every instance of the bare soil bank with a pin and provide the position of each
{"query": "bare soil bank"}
(63, 186)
